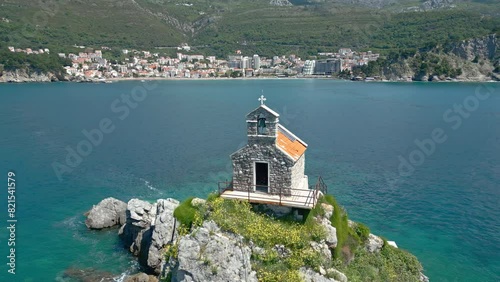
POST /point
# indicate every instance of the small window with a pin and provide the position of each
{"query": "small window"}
(261, 126)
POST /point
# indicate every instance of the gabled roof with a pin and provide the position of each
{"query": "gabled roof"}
(271, 111)
(267, 109)
(289, 143)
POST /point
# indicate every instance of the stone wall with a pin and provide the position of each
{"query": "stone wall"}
(252, 118)
(262, 140)
(280, 166)
(252, 128)
(298, 172)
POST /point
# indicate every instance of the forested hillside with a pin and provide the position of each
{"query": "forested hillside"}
(219, 27)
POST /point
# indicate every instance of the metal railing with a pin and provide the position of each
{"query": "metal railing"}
(321, 186)
(289, 195)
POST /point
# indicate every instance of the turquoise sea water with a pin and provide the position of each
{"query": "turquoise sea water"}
(177, 141)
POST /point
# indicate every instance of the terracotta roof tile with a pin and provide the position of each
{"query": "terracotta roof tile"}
(290, 144)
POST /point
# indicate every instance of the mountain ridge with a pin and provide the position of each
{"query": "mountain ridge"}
(263, 26)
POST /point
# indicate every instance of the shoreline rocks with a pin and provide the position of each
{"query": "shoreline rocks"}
(164, 232)
(86, 275)
(374, 244)
(331, 232)
(206, 253)
(140, 277)
(309, 275)
(148, 229)
(23, 76)
(107, 213)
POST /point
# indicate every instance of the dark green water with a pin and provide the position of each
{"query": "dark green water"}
(177, 141)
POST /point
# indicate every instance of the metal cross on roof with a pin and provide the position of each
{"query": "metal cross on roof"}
(262, 99)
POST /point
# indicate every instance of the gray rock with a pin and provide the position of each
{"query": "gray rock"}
(22, 75)
(140, 277)
(136, 233)
(423, 278)
(421, 77)
(331, 233)
(484, 47)
(322, 271)
(256, 250)
(437, 4)
(282, 251)
(277, 211)
(351, 223)
(163, 232)
(309, 275)
(207, 254)
(109, 212)
(86, 275)
(322, 248)
(374, 243)
(142, 213)
(198, 202)
(337, 274)
(328, 210)
(435, 78)
(280, 3)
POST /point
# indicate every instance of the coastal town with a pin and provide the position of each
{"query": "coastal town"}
(94, 65)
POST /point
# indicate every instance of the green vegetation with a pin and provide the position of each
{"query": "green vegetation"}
(265, 232)
(348, 238)
(310, 30)
(220, 27)
(422, 64)
(362, 231)
(186, 213)
(391, 264)
(62, 24)
(497, 66)
(41, 63)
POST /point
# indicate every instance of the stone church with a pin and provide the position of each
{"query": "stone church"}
(271, 166)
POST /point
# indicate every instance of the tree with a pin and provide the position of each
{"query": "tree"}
(116, 53)
(345, 74)
(236, 74)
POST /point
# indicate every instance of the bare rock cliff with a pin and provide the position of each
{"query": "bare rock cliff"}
(487, 47)
(25, 76)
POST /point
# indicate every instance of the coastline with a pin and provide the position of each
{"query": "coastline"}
(50, 79)
(197, 236)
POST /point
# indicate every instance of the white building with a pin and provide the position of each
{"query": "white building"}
(256, 62)
(245, 63)
(309, 67)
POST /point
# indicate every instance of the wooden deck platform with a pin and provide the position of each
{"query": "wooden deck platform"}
(300, 198)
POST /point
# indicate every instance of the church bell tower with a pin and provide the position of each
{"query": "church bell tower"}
(262, 124)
